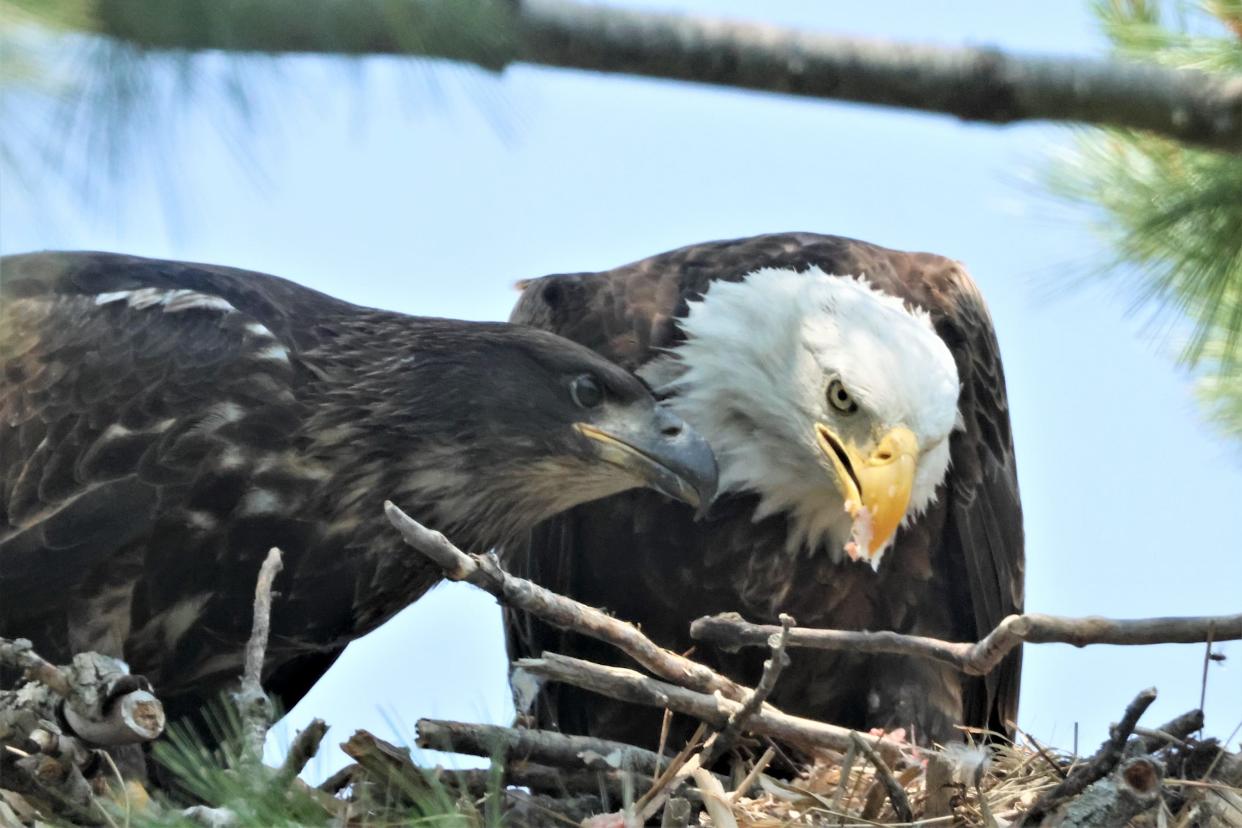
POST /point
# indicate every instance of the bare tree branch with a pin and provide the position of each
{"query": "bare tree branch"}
(722, 741)
(974, 84)
(305, 746)
(730, 631)
(896, 793)
(1099, 766)
(485, 572)
(252, 701)
(630, 686)
(20, 654)
(543, 746)
(103, 704)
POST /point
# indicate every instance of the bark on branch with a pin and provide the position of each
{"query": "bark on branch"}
(252, 702)
(1099, 766)
(973, 84)
(544, 746)
(729, 630)
(485, 572)
(630, 686)
(102, 703)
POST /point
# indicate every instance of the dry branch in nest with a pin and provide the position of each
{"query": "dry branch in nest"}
(66, 729)
(850, 778)
(854, 776)
(730, 631)
(697, 689)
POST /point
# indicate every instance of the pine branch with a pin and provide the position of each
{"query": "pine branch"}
(974, 84)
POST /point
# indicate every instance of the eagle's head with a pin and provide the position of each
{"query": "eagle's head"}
(486, 429)
(830, 400)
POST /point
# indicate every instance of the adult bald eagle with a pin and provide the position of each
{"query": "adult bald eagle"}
(855, 400)
(163, 424)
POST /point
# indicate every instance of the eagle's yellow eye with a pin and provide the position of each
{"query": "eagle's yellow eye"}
(840, 399)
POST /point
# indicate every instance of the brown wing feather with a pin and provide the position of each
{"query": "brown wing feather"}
(129, 433)
(964, 557)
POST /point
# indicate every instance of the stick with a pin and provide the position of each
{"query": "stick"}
(630, 686)
(1099, 766)
(975, 84)
(305, 746)
(392, 764)
(720, 743)
(752, 775)
(896, 793)
(103, 704)
(1113, 802)
(543, 746)
(485, 572)
(252, 701)
(20, 654)
(730, 631)
(1175, 730)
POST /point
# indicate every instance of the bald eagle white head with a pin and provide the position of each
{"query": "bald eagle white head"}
(830, 400)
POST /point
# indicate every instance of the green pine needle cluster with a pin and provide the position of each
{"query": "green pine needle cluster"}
(229, 779)
(1169, 213)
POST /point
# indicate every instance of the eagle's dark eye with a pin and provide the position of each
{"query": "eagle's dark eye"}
(586, 391)
(840, 398)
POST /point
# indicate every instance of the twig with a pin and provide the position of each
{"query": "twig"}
(752, 775)
(1207, 662)
(252, 701)
(1177, 729)
(896, 793)
(1099, 766)
(628, 685)
(543, 746)
(392, 764)
(485, 572)
(729, 630)
(305, 746)
(341, 779)
(660, 789)
(721, 742)
(20, 654)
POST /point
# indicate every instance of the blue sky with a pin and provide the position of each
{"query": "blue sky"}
(432, 189)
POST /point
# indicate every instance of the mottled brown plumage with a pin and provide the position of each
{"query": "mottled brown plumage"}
(953, 572)
(163, 424)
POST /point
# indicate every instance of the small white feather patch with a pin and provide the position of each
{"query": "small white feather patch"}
(170, 300)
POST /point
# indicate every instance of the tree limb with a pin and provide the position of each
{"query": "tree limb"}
(252, 701)
(630, 686)
(896, 793)
(545, 746)
(729, 630)
(1099, 766)
(102, 703)
(20, 654)
(722, 741)
(973, 84)
(485, 572)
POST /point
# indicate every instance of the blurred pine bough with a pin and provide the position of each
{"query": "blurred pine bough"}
(1170, 214)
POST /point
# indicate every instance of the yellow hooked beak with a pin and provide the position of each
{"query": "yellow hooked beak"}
(876, 484)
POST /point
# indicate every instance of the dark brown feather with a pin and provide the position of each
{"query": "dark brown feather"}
(163, 424)
(954, 573)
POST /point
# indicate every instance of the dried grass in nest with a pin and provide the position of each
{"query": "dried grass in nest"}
(987, 788)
